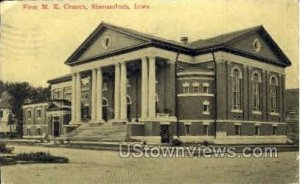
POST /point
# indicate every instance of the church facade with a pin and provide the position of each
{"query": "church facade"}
(225, 89)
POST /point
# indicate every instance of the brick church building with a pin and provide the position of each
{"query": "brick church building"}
(127, 85)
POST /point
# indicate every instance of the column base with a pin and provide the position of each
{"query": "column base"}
(101, 121)
(121, 120)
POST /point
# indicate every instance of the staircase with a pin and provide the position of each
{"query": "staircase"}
(107, 132)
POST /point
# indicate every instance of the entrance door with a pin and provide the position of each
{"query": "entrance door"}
(164, 133)
(105, 109)
(104, 113)
(129, 112)
(56, 128)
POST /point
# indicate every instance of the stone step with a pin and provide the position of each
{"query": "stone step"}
(99, 132)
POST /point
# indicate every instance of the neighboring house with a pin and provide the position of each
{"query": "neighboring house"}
(47, 118)
(292, 113)
(7, 124)
(226, 89)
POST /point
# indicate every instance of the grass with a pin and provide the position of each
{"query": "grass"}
(41, 157)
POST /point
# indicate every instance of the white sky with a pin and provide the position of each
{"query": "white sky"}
(35, 43)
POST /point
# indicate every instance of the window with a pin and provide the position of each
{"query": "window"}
(205, 87)
(273, 93)
(237, 129)
(39, 131)
(256, 45)
(196, 87)
(39, 113)
(128, 83)
(256, 80)
(275, 130)
(186, 87)
(187, 129)
(67, 93)
(57, 94)
(106, 42)
(28, 132)
(105, 86)
(1, 113)
(29, 114)
(257, 130)
(206, 107)
(236, 88)
(205, 129)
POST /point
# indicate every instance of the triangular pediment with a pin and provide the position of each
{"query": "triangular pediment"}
(105, 40)
(260, 44)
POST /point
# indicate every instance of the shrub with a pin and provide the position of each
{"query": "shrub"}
(41, 157)
(176, 142)
(5, 149)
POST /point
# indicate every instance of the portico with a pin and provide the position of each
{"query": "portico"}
(148, 96)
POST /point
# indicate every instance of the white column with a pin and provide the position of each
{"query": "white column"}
(78, 98)
(99, 95)
(144, 89)
(94, 96)
(123, 92)
(117, 92)
(73, 100)
(152, 88)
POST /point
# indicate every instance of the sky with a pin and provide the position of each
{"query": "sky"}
(35, 43)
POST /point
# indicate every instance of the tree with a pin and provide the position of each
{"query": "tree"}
(22, 91)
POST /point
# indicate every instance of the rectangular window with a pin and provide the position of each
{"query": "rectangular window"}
(237, 129)
(1, 113)
(195, 89)
(29, 114)
(39, 131)
(39, 113)
(205, 129)
(186, 89)
(205, 89)
(257, 130)
(205, 108)
(187, 129)
(67, 93)
(275, 130)
(57, 94)
(105, 86)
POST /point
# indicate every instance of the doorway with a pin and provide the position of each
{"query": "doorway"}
(129, 104)
(105, 109)
(56, 131)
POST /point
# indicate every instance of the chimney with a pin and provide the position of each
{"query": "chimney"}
(184, 40)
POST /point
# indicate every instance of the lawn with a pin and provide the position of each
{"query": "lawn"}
(90, 166)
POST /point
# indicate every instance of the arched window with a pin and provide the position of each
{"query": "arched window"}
(129, 101)
(256, 80)
(236, 76)
(273, 93)
(104, 102)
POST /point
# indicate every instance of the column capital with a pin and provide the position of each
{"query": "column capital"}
(151, 57)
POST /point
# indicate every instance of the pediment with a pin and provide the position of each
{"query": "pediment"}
(105, 40)
(258, 44)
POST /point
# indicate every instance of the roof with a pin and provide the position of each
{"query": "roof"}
(194, 48)
(63, 78)
(221, 39)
